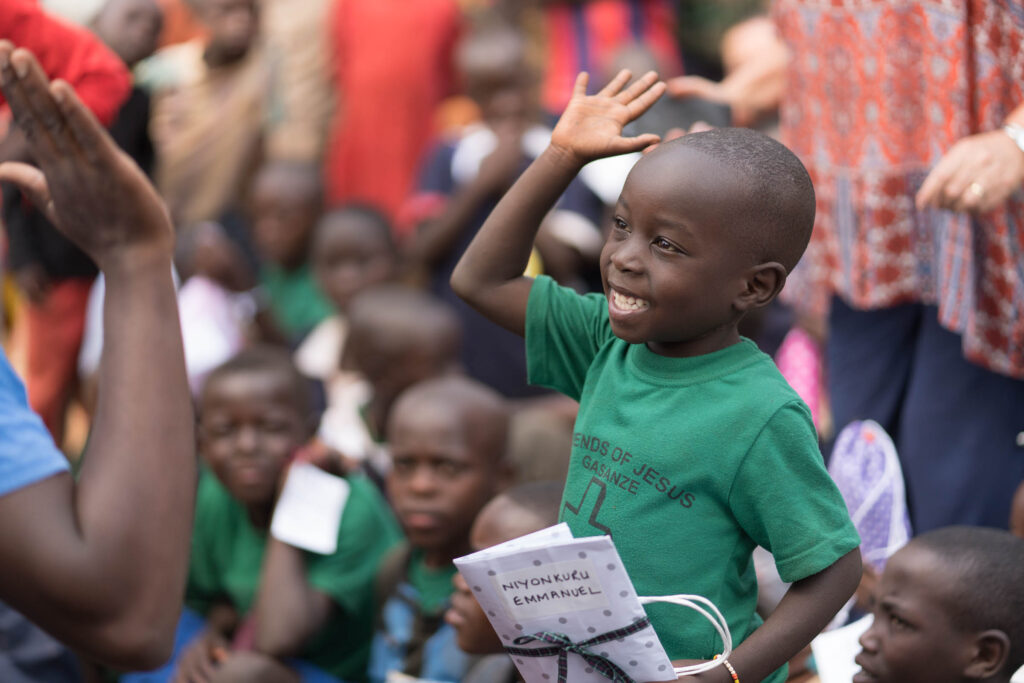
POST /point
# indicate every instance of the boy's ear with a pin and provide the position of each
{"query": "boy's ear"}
(991, 648)
(763, 283)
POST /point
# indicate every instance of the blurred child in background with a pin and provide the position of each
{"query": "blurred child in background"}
(285, 206)
(447, 439)
(352, 249)
(260, 601)
(518, 511)
(397, 337)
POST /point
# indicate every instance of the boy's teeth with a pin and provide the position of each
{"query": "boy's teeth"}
(629, 303)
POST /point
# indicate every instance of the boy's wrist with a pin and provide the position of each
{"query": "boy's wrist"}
(564, 158)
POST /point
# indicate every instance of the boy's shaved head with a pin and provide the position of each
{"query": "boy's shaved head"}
(771, 202)
(481, 411)
(986, 586)
(526, 508)
(395, 319)
(265, 359)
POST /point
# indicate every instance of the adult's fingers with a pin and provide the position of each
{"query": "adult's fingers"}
(933, 185)
(89, 136)
(695, 86)
(32, 182)
(34, 108)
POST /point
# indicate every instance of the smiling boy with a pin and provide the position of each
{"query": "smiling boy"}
(691, 449)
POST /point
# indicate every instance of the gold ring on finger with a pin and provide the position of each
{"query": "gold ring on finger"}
(976, 189)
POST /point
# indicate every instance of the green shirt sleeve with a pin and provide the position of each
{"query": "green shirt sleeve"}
(203, 587)
(368, 530)
(785, 500)
(564, 331)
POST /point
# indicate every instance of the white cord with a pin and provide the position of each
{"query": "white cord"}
(718, 621)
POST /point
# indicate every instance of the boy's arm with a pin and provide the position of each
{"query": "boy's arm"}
(801, 615)
(101, 565)
(490, 274)
(289, 610)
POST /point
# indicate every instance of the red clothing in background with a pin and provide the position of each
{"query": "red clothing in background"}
(69, 52)
(391, 66)
(587, 36)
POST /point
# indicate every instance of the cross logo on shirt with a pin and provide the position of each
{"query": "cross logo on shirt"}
(597, 501)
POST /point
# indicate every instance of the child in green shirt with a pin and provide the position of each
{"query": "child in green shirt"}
(690, 449)
(253, 417)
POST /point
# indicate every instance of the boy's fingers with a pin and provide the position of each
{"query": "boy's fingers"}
(646, 99)
(637, 88)
(38, 109)
(88, 134)
(579, 89)
(640, 142)
(616, 84)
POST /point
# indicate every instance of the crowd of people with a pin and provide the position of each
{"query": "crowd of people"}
(672, 272)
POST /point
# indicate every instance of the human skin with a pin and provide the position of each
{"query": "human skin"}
(489, 277)
(101, 564)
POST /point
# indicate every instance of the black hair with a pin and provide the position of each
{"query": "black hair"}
(374, 218)
(774, 202)
(404, 320)
(542, 498)
(264, 358)
(485, 412)
(987, 586)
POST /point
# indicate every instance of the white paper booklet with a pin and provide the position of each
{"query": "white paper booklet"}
(565, 608)
(309, 509)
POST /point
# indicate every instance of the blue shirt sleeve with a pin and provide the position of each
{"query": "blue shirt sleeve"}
(27, 452)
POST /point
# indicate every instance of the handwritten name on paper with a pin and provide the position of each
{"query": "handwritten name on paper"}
(547, 589)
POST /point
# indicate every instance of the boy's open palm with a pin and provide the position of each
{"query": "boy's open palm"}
(591, 126)
(86, 186)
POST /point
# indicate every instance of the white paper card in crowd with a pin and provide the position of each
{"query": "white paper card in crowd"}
(569, 589)
(309, 509)
(834, 651)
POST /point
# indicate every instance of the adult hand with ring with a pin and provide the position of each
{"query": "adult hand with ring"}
(977, 174)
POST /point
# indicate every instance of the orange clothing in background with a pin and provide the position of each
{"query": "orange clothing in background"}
(392, 65)
(54, 331)
(180, 24)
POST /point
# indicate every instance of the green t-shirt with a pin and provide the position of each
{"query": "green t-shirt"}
(295, 299)
(433, 585)
(227, 557)
(689, 463)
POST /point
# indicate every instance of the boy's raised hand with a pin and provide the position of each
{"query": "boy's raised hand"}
(87, 187)
(591, 126)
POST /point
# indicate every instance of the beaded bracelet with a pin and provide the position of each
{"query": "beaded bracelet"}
(732, 671)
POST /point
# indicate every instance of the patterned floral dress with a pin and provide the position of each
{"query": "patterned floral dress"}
(879, 91)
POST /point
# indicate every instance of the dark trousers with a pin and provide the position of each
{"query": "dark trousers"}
(957, 427)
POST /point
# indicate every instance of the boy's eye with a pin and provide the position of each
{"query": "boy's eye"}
(450, 468)
(619, 224)
(665, 245)
(898, 623)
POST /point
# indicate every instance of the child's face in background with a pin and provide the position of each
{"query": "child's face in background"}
(349, 255)
(438, 480)
(670, 268)
(473, 631)
(283, 215)
(130, 28)
(232, 25)
(249, 427)
(505, 98)
(913, 639)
